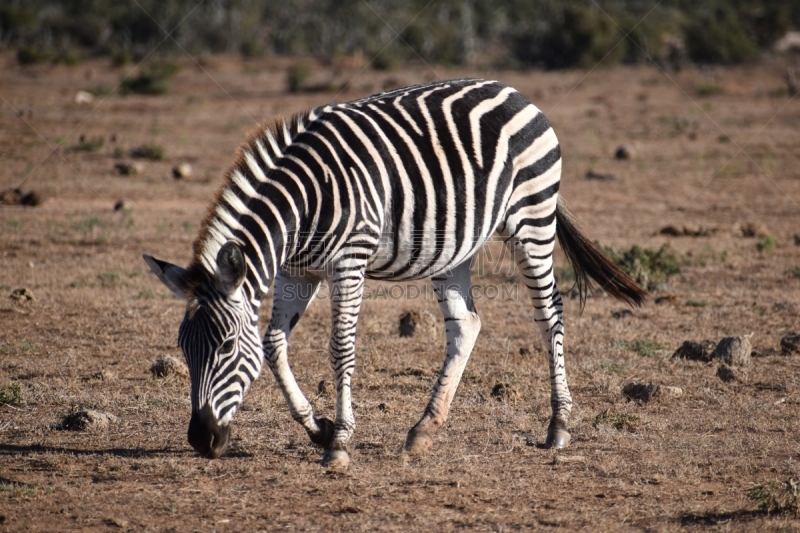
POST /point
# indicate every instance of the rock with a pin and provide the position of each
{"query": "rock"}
(89, 420)
(83, 97)
(790, 343)
(326, 388)
(21, 295)
(505, 392)
(726, 373)
(105, 375)
(624, 151)
(182, 171)
(671, 230)
(408, 323)
(166, 366)
(688, 230)
(125, 168)
(597, 176)
(123, 205)
(695, 351)
(645, 392)
(751, 229)
(20, 197)
(734, 351)
(621, 313)
(666, 299)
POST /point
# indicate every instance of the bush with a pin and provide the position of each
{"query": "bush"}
(297, 75)
(719, 35)
(32, 55)
(153, 79)
(647, 267)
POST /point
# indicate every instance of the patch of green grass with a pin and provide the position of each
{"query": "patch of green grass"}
(793, 272)
(146, 294)
(25, 346)
(11, 394)
(151, 151)
(14, 224)
(707, 89)
(33, 55)
(647, 267)
(153, 79)
(704, 257)
(644, 347)
(620, 421)
(86, 144)
(766, 244)
(88, 224)
(108, 278)
(613, 366)
(778, 498)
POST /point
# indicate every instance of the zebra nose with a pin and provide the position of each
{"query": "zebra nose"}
(206, 436)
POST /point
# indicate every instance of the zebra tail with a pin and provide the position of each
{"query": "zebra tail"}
(590, 263)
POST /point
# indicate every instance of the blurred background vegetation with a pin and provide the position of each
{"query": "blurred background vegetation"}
(499, 33)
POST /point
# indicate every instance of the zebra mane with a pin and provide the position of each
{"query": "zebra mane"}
(266, 142)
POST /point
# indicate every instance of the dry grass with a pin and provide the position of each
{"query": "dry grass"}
(98, 321)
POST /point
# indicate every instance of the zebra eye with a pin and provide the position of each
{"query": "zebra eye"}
(227, 346)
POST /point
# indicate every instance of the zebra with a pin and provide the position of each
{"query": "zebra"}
(403, 185)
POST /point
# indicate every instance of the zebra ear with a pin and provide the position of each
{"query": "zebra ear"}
(231, 268)
(173, 276)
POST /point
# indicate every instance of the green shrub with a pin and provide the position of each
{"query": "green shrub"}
(149, 151)
(775, 498)
(297, 75)
(12, 394)
(717, 34)
(647, 267)
(153, 79)
(32, 55)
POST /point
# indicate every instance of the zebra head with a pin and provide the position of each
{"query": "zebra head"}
(220, 341)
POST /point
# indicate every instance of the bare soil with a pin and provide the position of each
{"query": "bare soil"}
(716, 158)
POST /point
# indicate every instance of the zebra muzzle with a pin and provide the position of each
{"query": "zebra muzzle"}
(206, 435)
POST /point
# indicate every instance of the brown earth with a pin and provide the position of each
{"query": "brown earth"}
(712, 158)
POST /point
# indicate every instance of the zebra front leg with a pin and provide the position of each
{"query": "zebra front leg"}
(347, 289)
(462, 326)
(292, 297)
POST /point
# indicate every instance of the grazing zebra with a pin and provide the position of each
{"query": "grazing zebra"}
(403, 185)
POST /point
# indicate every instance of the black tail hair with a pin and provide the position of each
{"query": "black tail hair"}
(590, 263)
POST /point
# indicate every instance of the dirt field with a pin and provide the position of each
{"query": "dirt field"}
(714, 149)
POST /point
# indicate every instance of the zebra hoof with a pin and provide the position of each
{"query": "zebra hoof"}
(337, 460)
(418, 443)
(557, 435)
(325, 436)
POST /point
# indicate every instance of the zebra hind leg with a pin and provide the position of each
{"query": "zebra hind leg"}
(533, 251)
(292, 296)
(462, 326)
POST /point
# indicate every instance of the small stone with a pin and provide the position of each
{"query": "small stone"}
(123, 205)
(622, 313)
(125, 168)
(408, 323)
(326, 388)
(643, 392)
(89, 420)
(734, 351)
(672, 230)
(669, 391)
(790, 343)
(166, 366)
(751, 229)
(726, 373)
(624, 151)
(597, 176)
(83, 97)
(182, 171)
(22, 295)
(666, 299)
(505, 392)
(105, 375)
(695, 351)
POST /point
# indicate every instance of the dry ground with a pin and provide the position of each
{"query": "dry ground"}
(98, 321)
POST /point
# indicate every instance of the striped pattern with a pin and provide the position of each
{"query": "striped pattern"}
(402, 185)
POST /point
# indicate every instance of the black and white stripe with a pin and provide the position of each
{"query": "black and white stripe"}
(402, 185)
